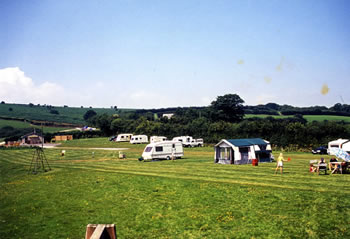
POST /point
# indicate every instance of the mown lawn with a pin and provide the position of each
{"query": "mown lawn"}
(185, 198)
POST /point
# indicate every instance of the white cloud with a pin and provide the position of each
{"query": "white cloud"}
(16, 87)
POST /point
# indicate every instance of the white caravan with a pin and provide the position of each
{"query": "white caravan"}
(139, 139)
(343, 144)
(123, 137)
(188, 141)
(155, 139)
(163, 150)
(185, 140)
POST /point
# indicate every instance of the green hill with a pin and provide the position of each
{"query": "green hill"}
(71, 115)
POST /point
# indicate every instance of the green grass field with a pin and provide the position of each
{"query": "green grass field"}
(309, 118)
(186, 198)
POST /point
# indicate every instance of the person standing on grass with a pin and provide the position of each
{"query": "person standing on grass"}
(280, 160)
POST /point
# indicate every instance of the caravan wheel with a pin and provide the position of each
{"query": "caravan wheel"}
(168, 158)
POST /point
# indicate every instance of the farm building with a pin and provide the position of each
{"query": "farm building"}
(242, 151)
(31, 138)
(62, 138)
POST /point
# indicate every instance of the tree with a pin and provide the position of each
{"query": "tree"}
(104, 123)
(117, 125)
(89, 114)
(55, 112)
(228, 108)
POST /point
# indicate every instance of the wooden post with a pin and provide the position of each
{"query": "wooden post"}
(100, 231)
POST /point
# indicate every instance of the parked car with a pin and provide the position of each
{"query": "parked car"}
(113, 138)
(320, 150)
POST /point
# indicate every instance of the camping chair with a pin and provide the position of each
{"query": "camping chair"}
(322, 167)
(337, 169)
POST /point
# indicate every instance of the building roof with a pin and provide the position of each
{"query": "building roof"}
(32, 134)
(247, 142)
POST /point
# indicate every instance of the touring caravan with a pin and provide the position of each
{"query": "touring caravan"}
(343, 144)
(139, 139)
(123, 137)
(189, 141)
(163, 150)
(155, 139)
(185, 140)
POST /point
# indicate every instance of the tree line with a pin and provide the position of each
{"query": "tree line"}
(224, 119)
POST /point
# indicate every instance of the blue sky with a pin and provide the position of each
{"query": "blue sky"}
(151, 54)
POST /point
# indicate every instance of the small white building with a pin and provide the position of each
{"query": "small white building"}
(168, 115)
(242, 151)
(139, 139)
(343, 144)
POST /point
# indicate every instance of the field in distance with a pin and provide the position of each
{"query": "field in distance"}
(21, 125)
(309, 118)
(73, 115)
(186, 198)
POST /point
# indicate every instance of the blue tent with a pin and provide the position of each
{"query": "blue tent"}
(242, 151)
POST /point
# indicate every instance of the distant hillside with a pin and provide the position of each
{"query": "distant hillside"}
(70, 115)
(275, 109)
(73, 116)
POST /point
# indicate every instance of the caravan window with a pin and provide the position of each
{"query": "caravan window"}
(173, 145)
(148, 149)
(159, 148)
(225, 153)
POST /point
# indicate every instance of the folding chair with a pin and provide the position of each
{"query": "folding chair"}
(322, 167)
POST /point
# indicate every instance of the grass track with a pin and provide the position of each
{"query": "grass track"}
(186, 198)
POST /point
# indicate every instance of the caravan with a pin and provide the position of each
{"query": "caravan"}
(163, 150)
(123, 137)
(343, 144)
(189, 141)
(155, 139)
(139, 139)
(185, 140)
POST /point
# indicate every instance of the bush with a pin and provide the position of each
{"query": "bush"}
(55, 112)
